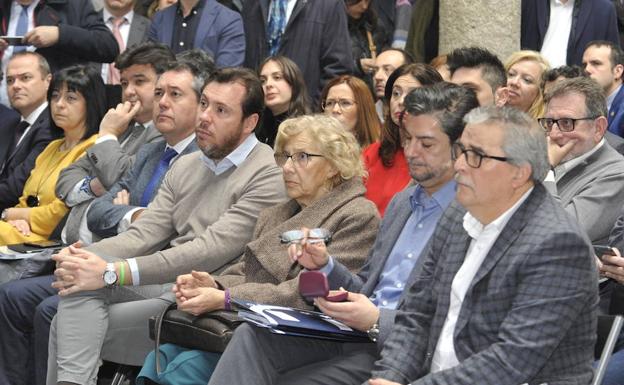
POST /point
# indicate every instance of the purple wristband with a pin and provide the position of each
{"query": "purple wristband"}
(227, 303)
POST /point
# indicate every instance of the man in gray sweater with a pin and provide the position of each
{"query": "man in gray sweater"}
(205, 211)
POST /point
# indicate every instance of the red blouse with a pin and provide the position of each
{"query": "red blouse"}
(383, 182)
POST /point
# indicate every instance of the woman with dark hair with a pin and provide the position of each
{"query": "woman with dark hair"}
(77, 102)
(368, 37)
(285, 95)
(349, 100)
(384, 160)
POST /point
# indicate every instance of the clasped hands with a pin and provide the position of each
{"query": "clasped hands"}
(198, 293)
(78, 270)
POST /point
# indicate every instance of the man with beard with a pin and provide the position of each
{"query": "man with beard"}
(431, 123)
(205, 211)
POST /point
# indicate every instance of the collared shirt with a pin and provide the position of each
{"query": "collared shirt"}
(483, 238)
(555, 45)
(124, 30)
(185, 28)
(234, 158)
(611, 97)
(16, 9)
(32, 119)
(426, 211)
(564, 167)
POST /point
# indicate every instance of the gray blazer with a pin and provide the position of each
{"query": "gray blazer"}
(107, 161)
(593, 192)
(528, 316)
(365, 282)
(103, 217)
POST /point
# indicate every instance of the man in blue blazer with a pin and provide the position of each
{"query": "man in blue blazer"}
(203, 24)
(603, 61)
(114, 211)
(588, 20)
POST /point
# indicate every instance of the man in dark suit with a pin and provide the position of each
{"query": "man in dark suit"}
(126, 25)
(203, 24)
(603, 61)
(122, 131)
(433, 121)
(561, 30)
(314, 35)
(28, 77)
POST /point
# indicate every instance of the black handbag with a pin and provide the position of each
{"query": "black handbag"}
(210, 331)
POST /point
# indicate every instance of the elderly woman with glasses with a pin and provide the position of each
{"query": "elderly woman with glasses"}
(322, 171)
(77, 103)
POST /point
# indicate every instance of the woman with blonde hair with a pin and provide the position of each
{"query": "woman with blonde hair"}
(524, 75)
(348, 99)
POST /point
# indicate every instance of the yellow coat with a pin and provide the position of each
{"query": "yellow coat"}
(41, 183)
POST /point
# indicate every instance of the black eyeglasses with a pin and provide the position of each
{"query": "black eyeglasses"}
(564, 124)
(300, 159)
(473, 157)
(32, 201)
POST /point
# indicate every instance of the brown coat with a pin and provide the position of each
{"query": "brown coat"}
(265, 273)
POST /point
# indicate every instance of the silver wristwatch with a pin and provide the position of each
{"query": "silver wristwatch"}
(110, 275)
(373, 332)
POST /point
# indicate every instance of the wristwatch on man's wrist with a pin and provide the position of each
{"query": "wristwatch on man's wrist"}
(4, 215)
(110, 275)
(373, 332)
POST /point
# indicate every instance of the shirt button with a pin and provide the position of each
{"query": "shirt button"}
(410, 255)
(184, 24)
(194, 12)
(181, 44)
(385, 303)
(420, 225)
(399, 285)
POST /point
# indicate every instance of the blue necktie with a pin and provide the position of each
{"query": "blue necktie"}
(276, 25)
(161, 169)
(22, 27)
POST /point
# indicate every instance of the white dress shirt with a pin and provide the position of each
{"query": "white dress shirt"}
(483, 238)
(555, 45)
(124, 30)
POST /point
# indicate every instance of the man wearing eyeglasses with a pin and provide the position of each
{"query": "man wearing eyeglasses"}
(587, 174)
(432, 122)
(507, 293)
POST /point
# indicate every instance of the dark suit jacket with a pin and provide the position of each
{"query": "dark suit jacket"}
(616, 114)
(592, 20)
(83, 37)
(20, 162)
(316, 38)
(103, 217)
(529, 314)
(615, 141)
(220, 32)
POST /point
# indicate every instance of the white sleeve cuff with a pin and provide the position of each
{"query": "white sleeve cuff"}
(126, 221)
(134, 270)
(104, 138)
(550, 177)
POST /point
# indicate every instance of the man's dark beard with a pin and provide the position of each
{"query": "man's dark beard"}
(230, 145)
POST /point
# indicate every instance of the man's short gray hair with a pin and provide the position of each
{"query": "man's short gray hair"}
(524, 141)
(595, 102)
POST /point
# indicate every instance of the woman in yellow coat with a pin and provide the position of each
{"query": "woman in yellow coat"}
(77, 103)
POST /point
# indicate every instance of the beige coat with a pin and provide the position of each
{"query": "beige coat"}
(265, 273)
